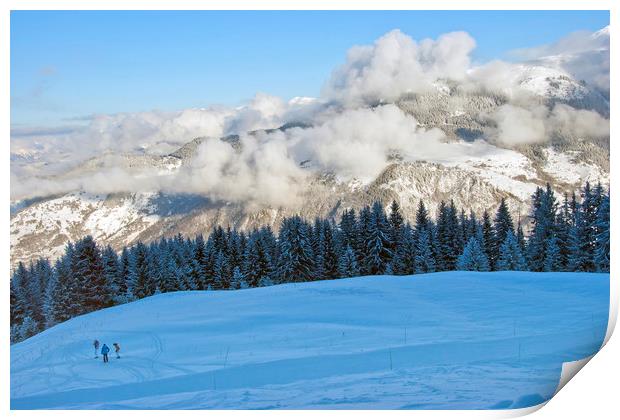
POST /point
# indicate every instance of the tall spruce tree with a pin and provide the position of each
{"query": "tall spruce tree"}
(95, 292)
(122, 294)
(16, 310)
(65, 295)
(222, 272)
(544, 209)
(363, 238)
(562, 234)
(347, 235)
(602, 238)
(330, 251)
(503, 222)
(111, 270)
(552, 257)
(296, 259)
(142, 285)
(489, 241)
(424, 259)
(347, 263)
(378, 246)
(403, 262)
(583, 235)
(397, 224)
(257, 261)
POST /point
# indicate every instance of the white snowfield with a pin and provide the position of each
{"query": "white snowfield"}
(454, 340)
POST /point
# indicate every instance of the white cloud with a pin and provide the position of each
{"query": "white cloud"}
(578, 122)
(515, 125)
(396, 64)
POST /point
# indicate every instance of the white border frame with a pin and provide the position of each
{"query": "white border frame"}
(592, 394)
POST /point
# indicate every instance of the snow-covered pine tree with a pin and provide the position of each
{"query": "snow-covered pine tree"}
(511, 255)
(521, 239)
(457, 240)
(28, 328)
(347, 265)
(124, 278)
(189, 268)
(95, 292)
(583, 235)
(219, 240)
(199, 270)
(30, 293)
(235, 254)
(562, 235)
(156, 270)
(46, 279)
(330, 251)
(473, 257)
(403, 261)
(552, 257)
(169, 278)
(503, 222)
(317, 240)
(602, 237)
(295, 258)
(65, 302)
(111, 270)
(257, 262)
(378, 247)
(424, 260)
(472, 225)
(17, 310)
(574, 208)
(489, 241)
(222, 274)
(270, 244)
(194, 277)
(544, 209)
(462, 230)
(448, 243)
(49, 274)
(397, 224)
(238, 281)
(142, 285)
(347, 235)
(422, 221)
(363, 238)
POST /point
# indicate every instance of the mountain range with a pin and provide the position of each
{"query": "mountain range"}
(489, 170)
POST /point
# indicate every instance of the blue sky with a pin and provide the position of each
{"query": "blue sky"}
(68, 65)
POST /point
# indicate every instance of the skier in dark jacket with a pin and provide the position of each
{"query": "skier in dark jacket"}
(117, 349)
(105, 350)
(96, 344)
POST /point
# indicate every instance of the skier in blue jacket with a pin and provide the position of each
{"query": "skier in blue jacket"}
(104, 351)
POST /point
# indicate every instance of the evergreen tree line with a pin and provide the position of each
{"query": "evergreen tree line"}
(572, 235)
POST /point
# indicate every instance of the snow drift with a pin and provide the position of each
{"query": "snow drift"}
(454, 340)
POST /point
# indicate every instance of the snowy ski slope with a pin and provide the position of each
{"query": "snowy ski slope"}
(455, 340)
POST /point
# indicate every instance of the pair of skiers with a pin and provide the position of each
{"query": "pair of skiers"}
(105, 350)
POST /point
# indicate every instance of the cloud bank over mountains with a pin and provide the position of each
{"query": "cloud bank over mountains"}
(350, 131)
(396, 64)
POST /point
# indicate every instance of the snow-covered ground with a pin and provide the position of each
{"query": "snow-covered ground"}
(454, 340)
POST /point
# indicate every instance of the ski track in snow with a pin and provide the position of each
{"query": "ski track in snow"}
(445, 340)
